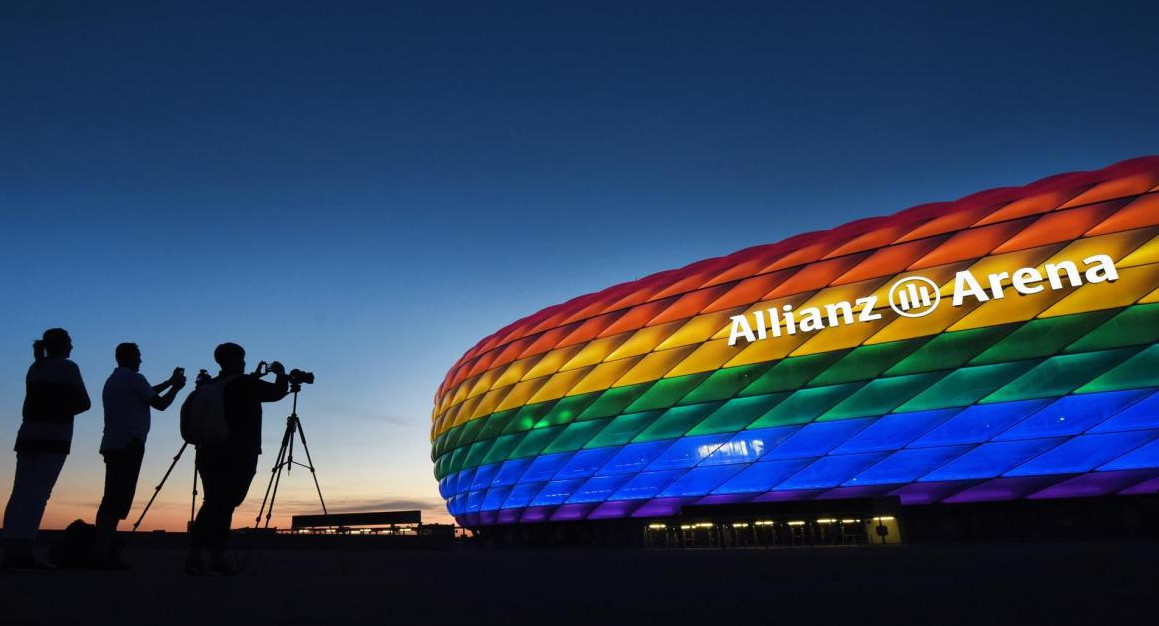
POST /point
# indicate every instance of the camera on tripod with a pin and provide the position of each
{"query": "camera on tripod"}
(297, 377)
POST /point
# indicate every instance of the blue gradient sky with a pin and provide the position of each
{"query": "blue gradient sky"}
(365, 189)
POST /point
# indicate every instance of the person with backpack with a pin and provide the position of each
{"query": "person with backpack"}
(226, 458)
(127, 398)
(55, 395)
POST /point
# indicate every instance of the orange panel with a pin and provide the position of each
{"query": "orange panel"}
(741, 270)
(1117, 188)
(636, 317)
(688, 305)
(803, 255)
(1059, 226)
(1031, 205)
(590, 329)
(879, 237)
(816, 276)
(749, 290)
(548, 340)
(1144, 211)
(889, 260)
(949, 223)
(971, 244)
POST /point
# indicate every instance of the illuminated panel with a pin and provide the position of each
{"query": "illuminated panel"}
(1001, 346)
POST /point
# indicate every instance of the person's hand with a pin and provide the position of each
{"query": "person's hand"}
(178, 377)
(277, 368)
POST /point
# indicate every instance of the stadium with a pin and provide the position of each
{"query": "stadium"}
(990, 359)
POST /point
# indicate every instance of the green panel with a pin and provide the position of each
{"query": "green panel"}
(881, 396)
(726, 383)
(950, 350)
(470, 432)
(738, 413)
(805, 405)
(567, 409)
(535, 441)
(527, 417)
(867, 362)
(1041, 337)
(476, 453)
(792, 373)
(967, 385)
(613, 401)
(677, 421)
(622, 429)
(666, 392)
(440, 467)
(456, 462)
(440, 445)
(1060, 375)
(1134, 326)
(503, 447)
(1141, 370)
(496, 424)
(576, 435)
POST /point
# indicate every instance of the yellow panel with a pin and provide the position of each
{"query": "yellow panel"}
(706, 357)
(1007, 262)
(490, 400)
(771, 349)
(461, 391)
(515, 372)
(643, 341)
(1014, 307)
(521, 393)
(654, 365)
(932, 324)
(465, 411)
(552, 361)
(775, 303)
(595, 351)
(1115, 245)
(603, 376)
(483, 383)
(700, 328)
(1133, 283)
(841, 337)
(1143, 255)
(558, 385)
(1151, 297)
(844, 293)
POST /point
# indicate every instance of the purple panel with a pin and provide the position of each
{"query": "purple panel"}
(1005, 489)
(1096, 484)
(662, 507)
(509, 516)
(929, 493)
(536, 514)
(735, 498)
(782, 496)
(471, 519)
(1144, 488)
(488, 518)
(866, 491)
(614, 510)
(572, 512)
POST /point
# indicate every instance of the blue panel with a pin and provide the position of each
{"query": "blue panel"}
(466, 477)
(521, 495)
(1072, 415)
(483, 477)
(979, 423)
(446, 489)
(599, 488)
(456, 505)
(701, 480)
(1141, 415)
(907, 465)
(586, 462)
(510, 472)
(545, 467)
(688, 451)
(1083, 453)
(647, 485)
(817, 439)
(1146, 457)
(894, 431)
(556, 492)
(749, 445)
(634, 457)
(830, 471)
(762, 476)
(475, 501)
(495, 498)
(991, 459)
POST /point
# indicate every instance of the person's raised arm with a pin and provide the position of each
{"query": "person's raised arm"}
(272, 392)
(175, 383)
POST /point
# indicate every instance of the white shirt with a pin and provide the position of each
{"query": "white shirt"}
(126, 399)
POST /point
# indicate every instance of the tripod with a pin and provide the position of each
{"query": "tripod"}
(157, 490)
(286, 461)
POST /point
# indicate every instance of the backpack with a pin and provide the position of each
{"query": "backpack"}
(203, 413)
(73, 548)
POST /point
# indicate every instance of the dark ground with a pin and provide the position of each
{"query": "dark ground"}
(1089, 583)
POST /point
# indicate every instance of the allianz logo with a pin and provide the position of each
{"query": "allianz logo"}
(918, 296)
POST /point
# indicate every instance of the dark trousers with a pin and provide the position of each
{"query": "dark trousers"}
(225, 479)
(122, 468)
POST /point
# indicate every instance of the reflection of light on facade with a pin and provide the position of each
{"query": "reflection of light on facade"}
(1030, 379)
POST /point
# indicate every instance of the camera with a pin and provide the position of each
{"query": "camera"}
(296, 376)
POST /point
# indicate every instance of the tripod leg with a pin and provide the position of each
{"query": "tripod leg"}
(275, 474)
(193, 497)
(157, 489)
(310, 465)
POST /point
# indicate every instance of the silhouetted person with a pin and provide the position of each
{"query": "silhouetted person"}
(127, 399)
(55, 395)
(227, 467)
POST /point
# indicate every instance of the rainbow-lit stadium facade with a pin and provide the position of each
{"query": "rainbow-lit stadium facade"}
(654, 395)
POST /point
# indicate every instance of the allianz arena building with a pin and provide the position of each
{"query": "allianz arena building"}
(992, 358)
